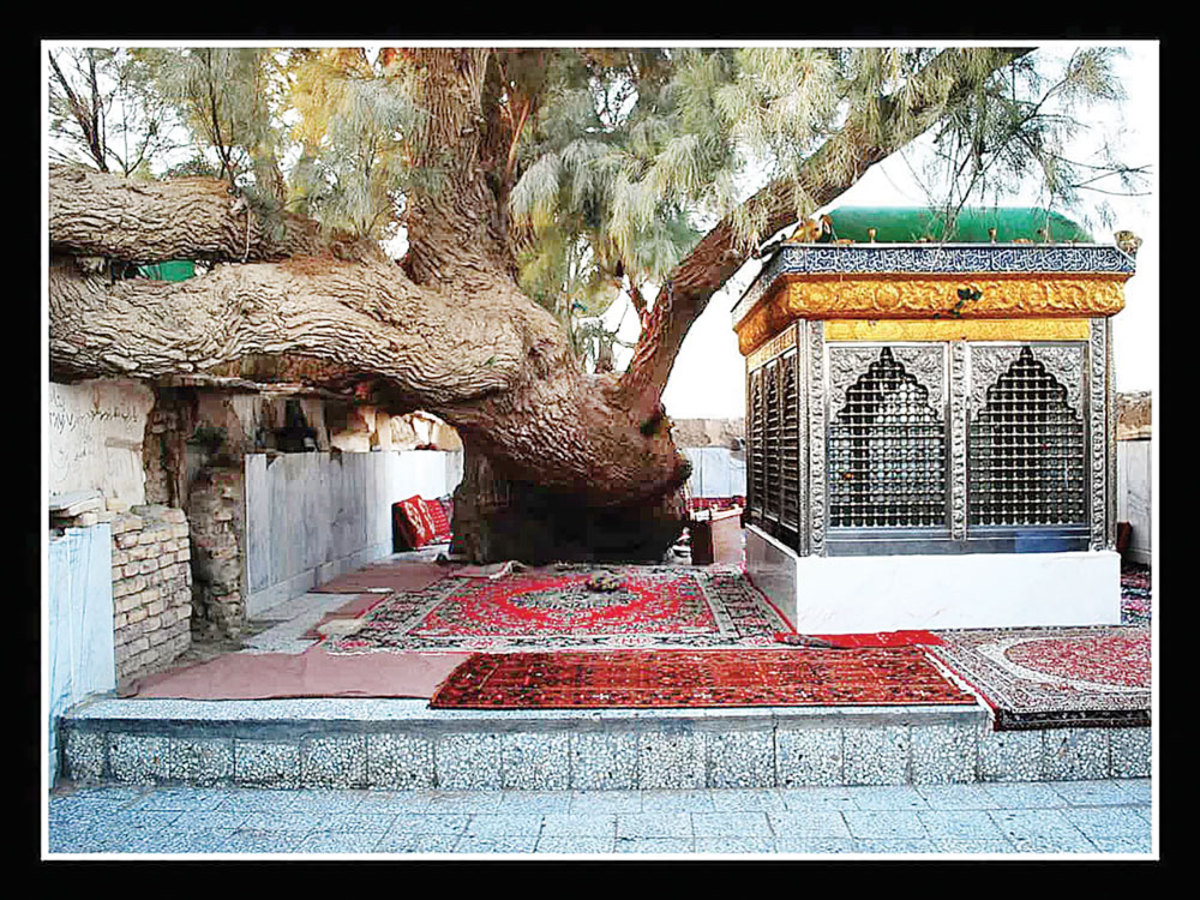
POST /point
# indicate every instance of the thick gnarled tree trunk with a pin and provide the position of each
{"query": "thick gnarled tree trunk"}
(588, 460)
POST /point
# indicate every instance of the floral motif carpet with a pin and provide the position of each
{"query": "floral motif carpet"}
(553, 607)
(697, 678)
(1055, 677)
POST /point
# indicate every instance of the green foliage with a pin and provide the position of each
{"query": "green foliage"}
(356, 126)
(614, 162)
(1014, 132)
(227, 97)
(105, 111)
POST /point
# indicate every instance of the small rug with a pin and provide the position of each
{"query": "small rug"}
(1055, 677)
(882, 639)
(351, 611)
(552, 607)
(697, 678)
(314, 673)
(1135, 594)
(390, 576)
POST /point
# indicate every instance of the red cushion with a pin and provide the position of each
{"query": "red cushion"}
(441, 524)
(417, 525)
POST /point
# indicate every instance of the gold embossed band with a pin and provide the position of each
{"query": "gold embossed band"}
(951, 299)
(956, 330)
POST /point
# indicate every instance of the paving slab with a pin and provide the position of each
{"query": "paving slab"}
(1028, 819)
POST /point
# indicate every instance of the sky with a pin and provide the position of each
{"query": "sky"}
(708, 380)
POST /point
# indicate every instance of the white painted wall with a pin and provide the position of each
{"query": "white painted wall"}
(1135, 466)
(81, 658)
(716, 472)
(312, 516)
(94, 437)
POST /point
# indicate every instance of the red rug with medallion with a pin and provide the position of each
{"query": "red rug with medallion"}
(553, 607)
(1055, 677)
(650, 679)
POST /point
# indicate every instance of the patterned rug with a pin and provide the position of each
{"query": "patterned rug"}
(1055, 677)
(552, 607)
(1135, 594)
(697, 678)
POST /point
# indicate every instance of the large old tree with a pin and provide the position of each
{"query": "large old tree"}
(490, 184)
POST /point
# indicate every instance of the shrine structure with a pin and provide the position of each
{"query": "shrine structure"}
(931, 431)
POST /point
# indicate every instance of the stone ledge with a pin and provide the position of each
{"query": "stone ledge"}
(403, 744)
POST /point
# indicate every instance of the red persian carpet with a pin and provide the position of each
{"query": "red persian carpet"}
(552, 607)
(696, 678)
(1048, 677)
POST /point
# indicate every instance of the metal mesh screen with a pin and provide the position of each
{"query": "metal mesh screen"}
(1026, 451)
(887, 452)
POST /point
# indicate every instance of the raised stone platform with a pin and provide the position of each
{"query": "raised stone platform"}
(402, 744)
(854, 594)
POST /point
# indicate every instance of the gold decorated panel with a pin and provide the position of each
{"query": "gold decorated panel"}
(785, 340)
(957, 330)
(938, 298)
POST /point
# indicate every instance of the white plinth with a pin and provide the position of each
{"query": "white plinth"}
(855, 594)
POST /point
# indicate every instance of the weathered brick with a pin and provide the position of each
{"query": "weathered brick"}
(137, 552)
(179, 529)
(125, 538)
(140, 645)
(129, 601)
(183, 555)
(150, 536)
(119, 558)
(152, 623)
(149, 510)
(130, 522)
(120, 620)
(130, 569)
(175, 515)
(105, 516)
(137, 614)
(149, 565)
(155, 607)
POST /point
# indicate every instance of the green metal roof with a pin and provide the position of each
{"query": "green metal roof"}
(908, 224)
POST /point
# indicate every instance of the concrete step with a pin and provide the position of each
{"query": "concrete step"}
(402, 744)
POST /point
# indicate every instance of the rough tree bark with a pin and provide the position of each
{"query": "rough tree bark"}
(587, 461)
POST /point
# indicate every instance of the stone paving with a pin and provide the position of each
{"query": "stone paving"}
(1076, 817)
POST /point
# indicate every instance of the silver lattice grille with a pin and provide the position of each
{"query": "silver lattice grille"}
(1026, 451)
(887, 452)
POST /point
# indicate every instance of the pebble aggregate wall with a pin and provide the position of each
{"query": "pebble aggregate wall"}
(400, 745)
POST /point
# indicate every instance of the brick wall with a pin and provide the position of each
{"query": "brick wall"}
(152, 588)
(151, 582)
(215, 506)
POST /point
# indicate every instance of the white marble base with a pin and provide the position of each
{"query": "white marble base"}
(855, 594)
